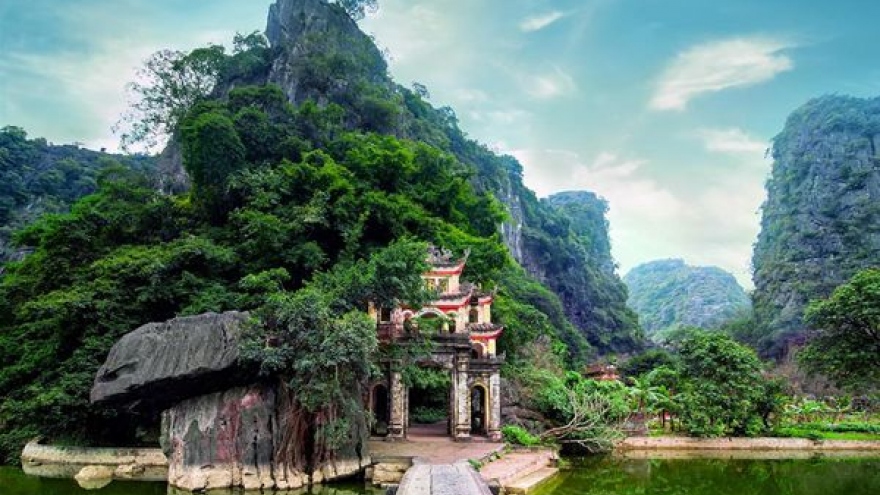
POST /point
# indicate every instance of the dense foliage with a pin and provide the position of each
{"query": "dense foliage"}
(710, 385)
(821, 220)
(668, 294)
(37, 177)
(323, 345)
(280, 212)
(844, 344)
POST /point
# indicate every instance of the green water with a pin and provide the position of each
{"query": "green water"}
(14, 482)
(599, 476)
(611, 476)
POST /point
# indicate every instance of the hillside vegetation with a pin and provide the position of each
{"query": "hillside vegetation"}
(37, 177)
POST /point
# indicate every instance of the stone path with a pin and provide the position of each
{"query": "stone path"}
(441, 468)
(443, 479)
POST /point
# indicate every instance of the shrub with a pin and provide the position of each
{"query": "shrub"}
(517, 435)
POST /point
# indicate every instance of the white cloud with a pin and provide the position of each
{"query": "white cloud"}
(538, 22)
(731, 140)
(707, 224)
(719, 65)
(552, 83)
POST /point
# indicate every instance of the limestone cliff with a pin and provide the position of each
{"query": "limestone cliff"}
(584, 275)
(821, 220)
(306, 33)
(669, 294)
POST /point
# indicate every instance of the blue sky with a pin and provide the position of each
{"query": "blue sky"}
(663, 107)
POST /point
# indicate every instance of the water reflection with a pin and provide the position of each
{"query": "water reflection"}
(817, 476)
(15, 482)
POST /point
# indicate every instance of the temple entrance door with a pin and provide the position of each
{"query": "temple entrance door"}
(429, 403)
(379, 403)
(479, 410)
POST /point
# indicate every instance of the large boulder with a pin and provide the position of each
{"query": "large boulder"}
(236, 438)
(164, 363)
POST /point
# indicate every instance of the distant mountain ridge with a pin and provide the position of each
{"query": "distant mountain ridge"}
(669, 294)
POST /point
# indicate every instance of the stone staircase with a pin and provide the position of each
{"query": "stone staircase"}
(520, 472)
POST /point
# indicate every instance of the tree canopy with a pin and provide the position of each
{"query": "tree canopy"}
(844, 343)
(721, 388)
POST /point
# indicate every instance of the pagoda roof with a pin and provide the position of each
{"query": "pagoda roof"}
(484, 331)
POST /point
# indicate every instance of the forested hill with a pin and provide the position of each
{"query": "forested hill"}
(821, 219)
(314, 180)
(37, 177)
(669, 294)
(317, 54)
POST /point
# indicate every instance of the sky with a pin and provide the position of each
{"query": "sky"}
(666, 108)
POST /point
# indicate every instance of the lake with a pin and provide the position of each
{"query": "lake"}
(603, 475)
(816, 476)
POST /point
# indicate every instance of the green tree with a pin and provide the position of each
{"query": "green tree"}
(169, 84)
(722, 389)
(321, 343)
(844, 344)
(212, 152)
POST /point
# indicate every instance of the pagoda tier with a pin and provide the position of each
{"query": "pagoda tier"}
(461, 307)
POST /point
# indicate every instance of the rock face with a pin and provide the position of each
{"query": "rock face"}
(219, 430)
(668, 294)
(306, 32)
(821, 220)
(233, 439)
(580, 269)
(162, 363)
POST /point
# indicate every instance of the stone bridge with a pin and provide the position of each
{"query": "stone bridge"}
(443, 479)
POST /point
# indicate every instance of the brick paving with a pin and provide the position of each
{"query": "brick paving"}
(434, 450)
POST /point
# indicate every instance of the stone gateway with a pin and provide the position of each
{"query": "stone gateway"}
(464, 346)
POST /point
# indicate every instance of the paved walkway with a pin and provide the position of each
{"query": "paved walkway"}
(443, 479)
(441, 466)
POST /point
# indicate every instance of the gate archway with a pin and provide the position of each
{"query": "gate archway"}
(479, 410)
(380, 407)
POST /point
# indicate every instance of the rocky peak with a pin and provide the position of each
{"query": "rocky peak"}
(312, 35)
(669, 294)
(289, 20)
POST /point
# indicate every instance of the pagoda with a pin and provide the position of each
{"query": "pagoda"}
(464, 345)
